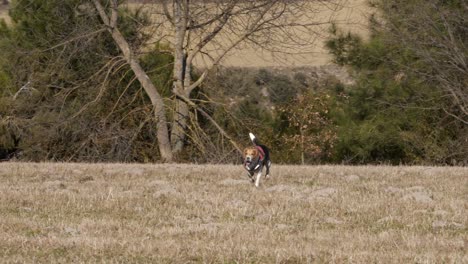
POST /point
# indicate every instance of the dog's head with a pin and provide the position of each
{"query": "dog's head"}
(250, 154)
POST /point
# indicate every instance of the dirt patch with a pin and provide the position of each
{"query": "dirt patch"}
(420, 197)
(231, 182)
(281, 188)
(444, 224)
(323, 193)
(418, 194)
(352, 178)
(167, 191)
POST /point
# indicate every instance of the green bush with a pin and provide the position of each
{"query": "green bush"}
(394, 113)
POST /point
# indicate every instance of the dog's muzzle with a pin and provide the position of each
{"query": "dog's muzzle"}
(247, 162)
(250, 164)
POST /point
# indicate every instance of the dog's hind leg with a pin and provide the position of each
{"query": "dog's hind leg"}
(267, 175)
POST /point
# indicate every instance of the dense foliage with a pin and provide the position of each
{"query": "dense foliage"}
(296, 124)
(78, 99)
(399, 110)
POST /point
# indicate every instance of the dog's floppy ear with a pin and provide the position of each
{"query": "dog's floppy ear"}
(244, 153)
(255, 151)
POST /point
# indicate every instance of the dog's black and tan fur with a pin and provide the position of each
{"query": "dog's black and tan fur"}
(255, 158)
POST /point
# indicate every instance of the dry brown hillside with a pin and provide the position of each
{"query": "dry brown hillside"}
(347, 14)
(4, 12)
(353, 16)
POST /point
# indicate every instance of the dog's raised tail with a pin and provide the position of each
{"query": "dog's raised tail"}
(253, 138)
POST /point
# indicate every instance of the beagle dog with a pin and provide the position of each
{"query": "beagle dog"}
(255, 158)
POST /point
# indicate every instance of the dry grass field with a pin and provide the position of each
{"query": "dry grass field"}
(129, 213)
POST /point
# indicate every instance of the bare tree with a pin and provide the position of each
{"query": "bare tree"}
(162, 130)
(209, 30)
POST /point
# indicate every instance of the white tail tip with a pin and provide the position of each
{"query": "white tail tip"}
(252, 136)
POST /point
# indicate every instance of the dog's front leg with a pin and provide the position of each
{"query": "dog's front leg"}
(251, 176)
(267, 175)
(257, 181)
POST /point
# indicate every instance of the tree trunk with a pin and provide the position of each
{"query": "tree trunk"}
(302, 146)
(182, 78)
(179, 125)
(162, 133)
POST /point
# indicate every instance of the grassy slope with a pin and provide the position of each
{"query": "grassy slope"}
(205, 213)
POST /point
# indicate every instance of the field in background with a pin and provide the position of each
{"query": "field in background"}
(210, 213)
(4, 13)
(352, 17)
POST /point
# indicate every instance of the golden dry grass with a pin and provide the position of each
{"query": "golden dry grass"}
(133, 213)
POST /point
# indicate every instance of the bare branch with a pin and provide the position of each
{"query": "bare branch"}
(207, 116)
(167, 13)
